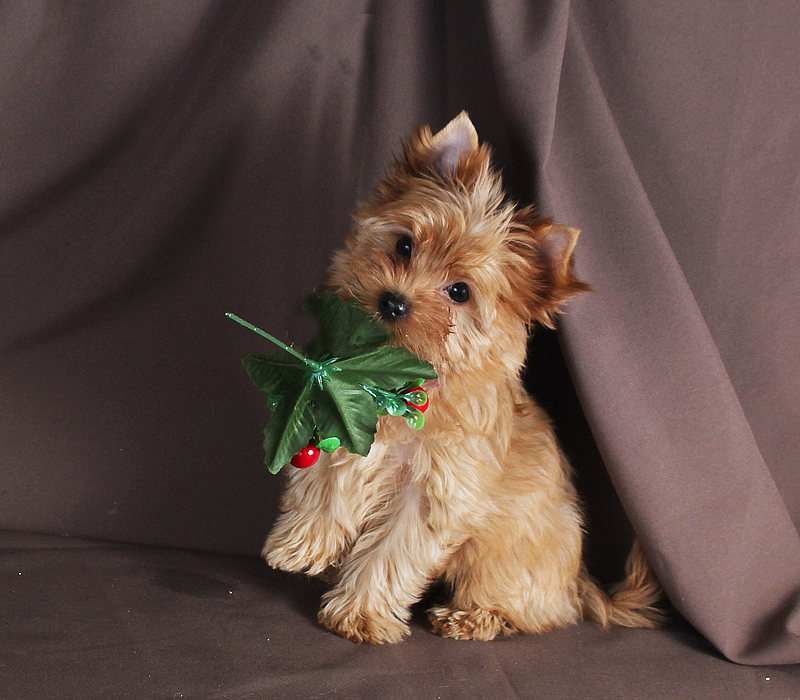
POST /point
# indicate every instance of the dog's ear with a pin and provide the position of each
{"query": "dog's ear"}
(453, 152)
(555, 245)
(457, 141)
(544, 276)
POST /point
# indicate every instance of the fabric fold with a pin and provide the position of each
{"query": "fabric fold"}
(666, 418)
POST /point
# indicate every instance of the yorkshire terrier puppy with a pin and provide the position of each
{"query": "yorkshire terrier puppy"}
(480, 498)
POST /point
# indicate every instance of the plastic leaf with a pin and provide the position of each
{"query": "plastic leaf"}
(386, 367)
(337, 387)
(346, 411)
(289, 429)
(345, 329)
(274, 373)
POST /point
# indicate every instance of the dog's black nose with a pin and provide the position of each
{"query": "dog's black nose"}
(392, 306)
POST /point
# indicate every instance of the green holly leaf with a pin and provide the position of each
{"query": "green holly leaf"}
(345, 329)
(289, 430)
(334, 390)
(344, 410)
(276, 373)
(385, 367)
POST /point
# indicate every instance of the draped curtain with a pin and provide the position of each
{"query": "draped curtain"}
(164, 162)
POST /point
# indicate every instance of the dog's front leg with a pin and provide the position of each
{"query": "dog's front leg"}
(319, 516)
(387, 570)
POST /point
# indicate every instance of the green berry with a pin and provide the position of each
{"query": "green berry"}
(395, 406)
(417, 397)
(329, 444)
(414, 417)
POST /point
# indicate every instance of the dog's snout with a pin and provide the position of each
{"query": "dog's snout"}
(393, 306)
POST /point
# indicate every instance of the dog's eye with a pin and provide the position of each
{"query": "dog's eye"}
(458, 292)
(404, 247)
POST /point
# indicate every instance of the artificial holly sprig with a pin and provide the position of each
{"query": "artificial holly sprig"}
(329, 391)
(410, 402)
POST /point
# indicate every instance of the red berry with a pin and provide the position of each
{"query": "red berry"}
(307, 457)
(418, 398)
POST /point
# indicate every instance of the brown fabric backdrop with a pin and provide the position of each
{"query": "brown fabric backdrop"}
(164, 162)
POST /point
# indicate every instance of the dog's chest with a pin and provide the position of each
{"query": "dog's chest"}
(399, 457)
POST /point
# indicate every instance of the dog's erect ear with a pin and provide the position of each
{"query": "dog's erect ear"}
(456, 141)
(454, 152)
(541, 272)
(555, 247)
(554, 244)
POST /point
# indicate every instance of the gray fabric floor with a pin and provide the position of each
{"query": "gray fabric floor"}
(86, 620)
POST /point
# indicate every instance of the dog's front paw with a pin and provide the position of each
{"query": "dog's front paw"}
(478, 624)
(373, 625)
(303, 545)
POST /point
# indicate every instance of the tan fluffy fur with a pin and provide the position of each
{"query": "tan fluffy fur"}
(481, 497)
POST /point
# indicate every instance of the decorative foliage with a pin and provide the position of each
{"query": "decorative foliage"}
(331, 395)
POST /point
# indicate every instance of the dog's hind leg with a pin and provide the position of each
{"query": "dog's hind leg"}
(514, 576)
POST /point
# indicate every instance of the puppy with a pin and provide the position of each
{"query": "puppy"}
(481, 497)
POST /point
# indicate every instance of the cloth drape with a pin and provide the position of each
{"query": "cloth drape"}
(162, 163)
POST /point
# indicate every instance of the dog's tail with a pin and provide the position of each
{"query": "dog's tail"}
(631, 603)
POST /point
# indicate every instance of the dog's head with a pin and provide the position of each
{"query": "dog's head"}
(440, 256)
